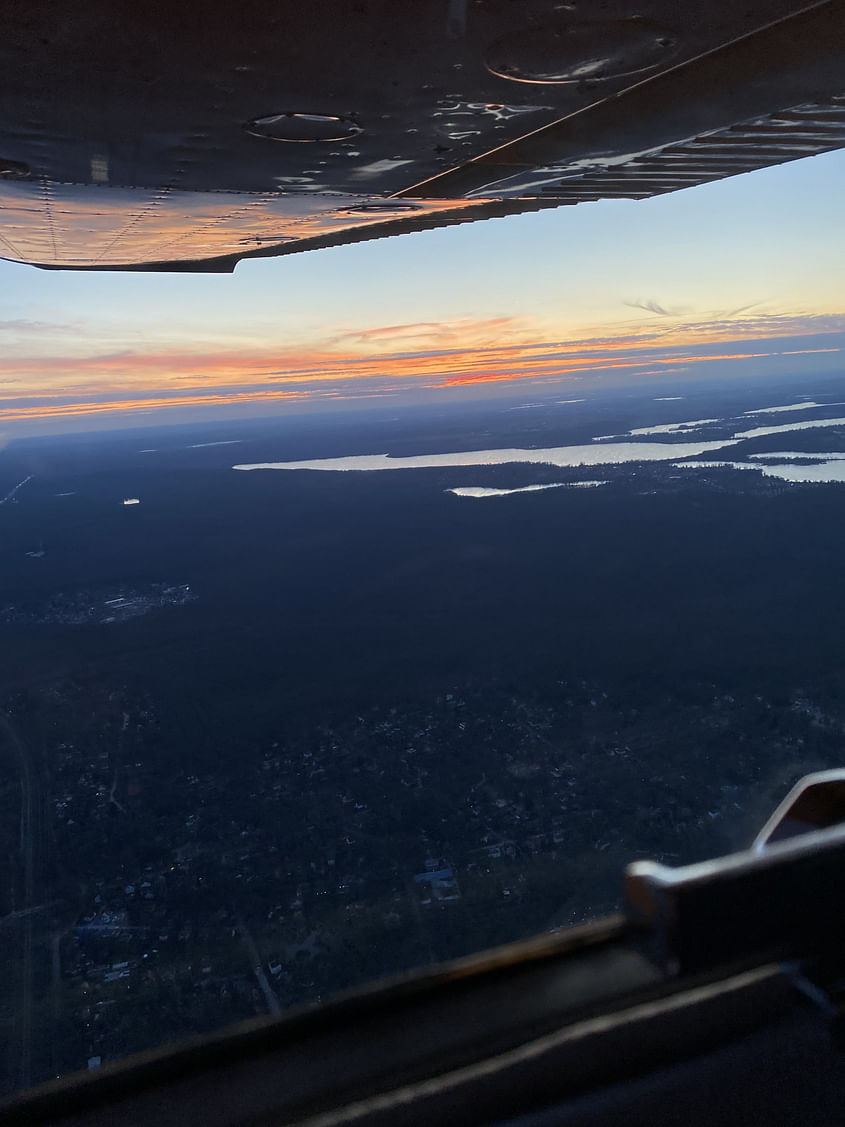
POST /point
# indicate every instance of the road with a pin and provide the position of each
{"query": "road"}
(258, 967)
(10, 495)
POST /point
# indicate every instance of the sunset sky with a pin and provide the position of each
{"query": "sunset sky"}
(746, 276)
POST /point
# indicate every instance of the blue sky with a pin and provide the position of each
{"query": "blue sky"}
(756, 257)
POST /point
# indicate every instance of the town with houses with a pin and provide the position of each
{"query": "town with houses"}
(102, 607)
(176, 901)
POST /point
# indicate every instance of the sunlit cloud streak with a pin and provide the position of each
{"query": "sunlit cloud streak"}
(533, 370)
(79, 409)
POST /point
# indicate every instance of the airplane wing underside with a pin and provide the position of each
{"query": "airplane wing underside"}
(187, 140)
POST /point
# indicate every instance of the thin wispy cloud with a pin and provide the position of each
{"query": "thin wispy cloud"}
(435, 334)
(742, 309)
(649, 305)
(24, 326)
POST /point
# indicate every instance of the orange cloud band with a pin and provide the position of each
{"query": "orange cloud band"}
(95, 383)
(79, 410)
